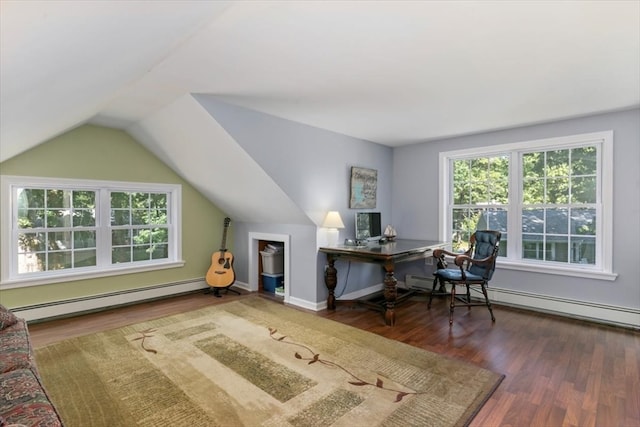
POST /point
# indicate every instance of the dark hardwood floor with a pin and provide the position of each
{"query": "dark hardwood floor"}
(559, 372)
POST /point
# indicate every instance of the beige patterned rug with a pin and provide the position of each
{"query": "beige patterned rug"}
(253, 362)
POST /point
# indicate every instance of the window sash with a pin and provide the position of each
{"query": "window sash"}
(515, 245)
(171, 254)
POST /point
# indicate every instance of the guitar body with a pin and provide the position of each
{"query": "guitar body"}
(221, 274)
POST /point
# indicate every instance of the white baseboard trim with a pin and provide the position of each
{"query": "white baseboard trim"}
(602, 313)
(322, 305)
(243, 285)
(364, 292)
(302, 303)
(615, 315)
(103, 301)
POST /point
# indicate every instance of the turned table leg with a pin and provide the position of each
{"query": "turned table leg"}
(390, 295)
(330, 280)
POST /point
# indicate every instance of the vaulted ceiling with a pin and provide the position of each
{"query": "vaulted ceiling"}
(392, 72)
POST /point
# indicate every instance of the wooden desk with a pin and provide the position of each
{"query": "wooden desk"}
(387, 255)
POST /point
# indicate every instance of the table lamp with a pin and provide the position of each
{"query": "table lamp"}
(333, 222)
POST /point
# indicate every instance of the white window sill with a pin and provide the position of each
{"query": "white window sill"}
(68, 277)
(586, 272)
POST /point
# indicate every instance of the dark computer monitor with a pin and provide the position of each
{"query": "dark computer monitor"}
(368, 225)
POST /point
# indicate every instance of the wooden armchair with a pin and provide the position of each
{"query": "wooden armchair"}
(474, 270)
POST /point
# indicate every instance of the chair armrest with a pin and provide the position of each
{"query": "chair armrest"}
(441, 254)
(461, 259)
(438, 253)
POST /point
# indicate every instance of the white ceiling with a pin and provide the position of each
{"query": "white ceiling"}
(391, 72)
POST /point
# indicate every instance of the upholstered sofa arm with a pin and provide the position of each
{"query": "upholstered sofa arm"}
(23, 398)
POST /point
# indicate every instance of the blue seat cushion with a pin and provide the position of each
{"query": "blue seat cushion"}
(456, 276)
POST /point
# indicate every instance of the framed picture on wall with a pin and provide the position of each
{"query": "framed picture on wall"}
(364, 185)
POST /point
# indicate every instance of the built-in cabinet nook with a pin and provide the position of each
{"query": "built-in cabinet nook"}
(271, 267)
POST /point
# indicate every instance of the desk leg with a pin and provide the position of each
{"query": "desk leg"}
(330, 280)
(390, 295)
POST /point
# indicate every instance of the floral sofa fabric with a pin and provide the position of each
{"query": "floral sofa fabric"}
(23, 399)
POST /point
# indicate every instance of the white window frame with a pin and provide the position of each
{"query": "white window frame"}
(10, 278)
(513, 261)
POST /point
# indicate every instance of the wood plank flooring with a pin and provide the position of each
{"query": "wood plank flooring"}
(559, 372)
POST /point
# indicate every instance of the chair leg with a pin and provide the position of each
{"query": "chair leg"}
(433, 289)
(452, 304)
(486, 298)
(468, 298)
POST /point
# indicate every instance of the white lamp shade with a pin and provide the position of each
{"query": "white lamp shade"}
(333, 220)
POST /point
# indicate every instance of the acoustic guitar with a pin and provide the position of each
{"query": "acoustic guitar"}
(221, 274)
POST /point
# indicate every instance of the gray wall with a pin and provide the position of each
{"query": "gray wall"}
(303, 252)
(313, 167)
(415, 205)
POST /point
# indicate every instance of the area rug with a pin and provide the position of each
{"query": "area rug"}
(254, 362)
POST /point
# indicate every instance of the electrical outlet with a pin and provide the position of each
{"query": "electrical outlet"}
(428, 261)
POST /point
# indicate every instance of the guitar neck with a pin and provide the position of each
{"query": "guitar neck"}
(223, 246)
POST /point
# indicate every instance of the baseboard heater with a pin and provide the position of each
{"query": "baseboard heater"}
(418, 282)
(91, 303)
(600, 313)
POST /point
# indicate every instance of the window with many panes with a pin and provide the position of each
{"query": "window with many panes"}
(550, 199)
(62, 228)
(559, 205)
(480, 196)
(139, 226)
(55, 229)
